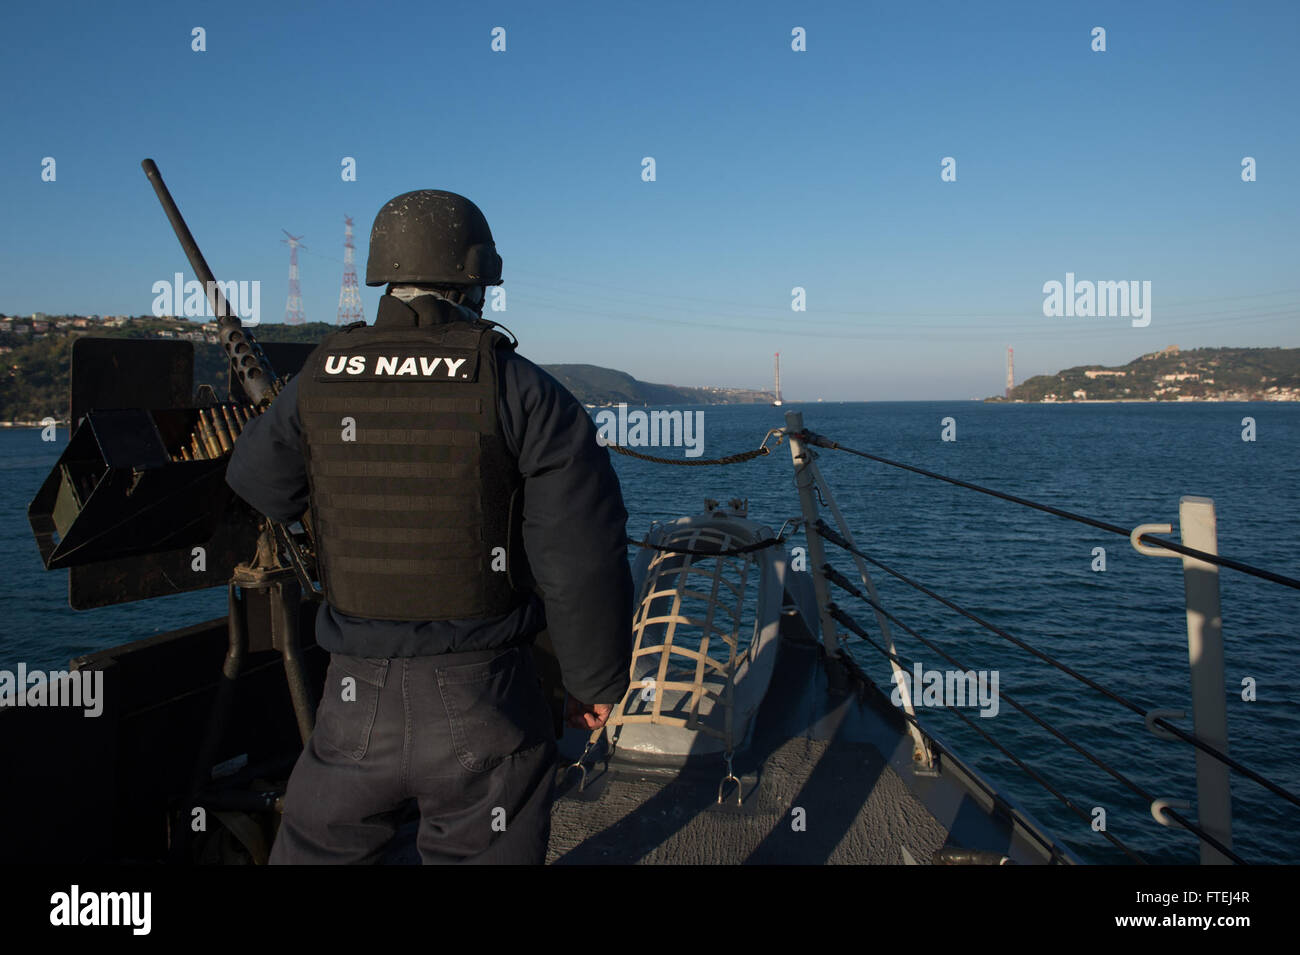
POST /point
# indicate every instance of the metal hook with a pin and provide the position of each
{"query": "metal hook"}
(730, 775)
(1159, 806)
(791, 522)
(1148, 549)
(1159, 732)
(582, 782)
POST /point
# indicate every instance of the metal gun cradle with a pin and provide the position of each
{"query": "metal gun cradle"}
(143, 477)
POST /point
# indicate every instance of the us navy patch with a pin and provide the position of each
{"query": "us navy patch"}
(380, 364)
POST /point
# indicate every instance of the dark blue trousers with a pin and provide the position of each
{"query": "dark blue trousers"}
(467, 737)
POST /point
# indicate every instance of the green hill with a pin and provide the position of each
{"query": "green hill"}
(592, 384)
(1174, 374)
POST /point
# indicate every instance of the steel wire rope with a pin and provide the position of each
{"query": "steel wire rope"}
(853, 625)
(856, 628)
(824, 442)
(835, 577)
(828, 534)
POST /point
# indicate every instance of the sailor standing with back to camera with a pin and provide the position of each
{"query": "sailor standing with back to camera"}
(461, 506)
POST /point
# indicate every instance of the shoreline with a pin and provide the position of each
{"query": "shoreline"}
(1146, 401)
(64, 423)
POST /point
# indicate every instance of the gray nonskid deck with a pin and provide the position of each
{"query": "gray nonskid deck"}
(815, 790)
(843, 758)
(815, 801)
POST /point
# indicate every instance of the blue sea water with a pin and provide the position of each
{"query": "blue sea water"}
(1027, 572)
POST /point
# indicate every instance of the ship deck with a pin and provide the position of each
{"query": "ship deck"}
(843, 757)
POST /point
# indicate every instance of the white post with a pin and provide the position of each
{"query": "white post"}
(1196, 522)
(902, 679)
(803, 480)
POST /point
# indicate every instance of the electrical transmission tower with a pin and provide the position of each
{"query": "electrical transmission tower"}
(1011, 371)
(293, 308)
(350, 294)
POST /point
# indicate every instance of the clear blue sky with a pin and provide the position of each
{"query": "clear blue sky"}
(775, 169)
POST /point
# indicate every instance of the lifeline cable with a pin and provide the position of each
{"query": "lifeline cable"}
(729, 552)
(853, 625)
(824, 442)
(856, 628)
(844, 583)
(834, 538)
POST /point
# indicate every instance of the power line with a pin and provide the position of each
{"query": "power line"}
(748, 307)
(876, 333)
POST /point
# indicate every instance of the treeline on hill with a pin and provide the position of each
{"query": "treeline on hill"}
(1172, 374)
(36, 383)
(594, 385)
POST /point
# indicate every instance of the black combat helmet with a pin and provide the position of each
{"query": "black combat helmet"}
(431, 237)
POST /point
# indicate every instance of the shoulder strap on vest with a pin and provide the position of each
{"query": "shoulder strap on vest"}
(512, 343)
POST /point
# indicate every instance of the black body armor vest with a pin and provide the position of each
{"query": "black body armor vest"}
(415, 497)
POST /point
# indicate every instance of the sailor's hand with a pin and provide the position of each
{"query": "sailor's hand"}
(587, 716)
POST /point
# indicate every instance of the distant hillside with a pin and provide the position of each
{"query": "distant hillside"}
(1174, 374)
(36, 359)
(592, 384)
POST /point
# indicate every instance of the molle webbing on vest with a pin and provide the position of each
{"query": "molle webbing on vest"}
(412, 485)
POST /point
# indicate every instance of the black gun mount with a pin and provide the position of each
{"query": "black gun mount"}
(141, 484)
(137, 506)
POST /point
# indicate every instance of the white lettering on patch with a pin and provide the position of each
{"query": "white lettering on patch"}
(425, 366)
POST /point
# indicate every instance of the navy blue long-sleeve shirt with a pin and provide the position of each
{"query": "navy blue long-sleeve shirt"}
(574, 530)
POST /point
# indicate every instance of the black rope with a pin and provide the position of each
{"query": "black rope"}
(834, 538)
(824, 442)
(844, 583)
(731, 552)
(855, 627)
(729, 459)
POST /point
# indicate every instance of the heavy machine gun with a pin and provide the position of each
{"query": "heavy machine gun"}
(137, 507)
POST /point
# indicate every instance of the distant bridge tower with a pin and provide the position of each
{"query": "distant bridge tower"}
(1011, 371)
(293, 308)
(350, 294)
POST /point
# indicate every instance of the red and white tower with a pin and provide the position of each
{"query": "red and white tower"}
(1011, 372)
(293, 308)
(350, 294)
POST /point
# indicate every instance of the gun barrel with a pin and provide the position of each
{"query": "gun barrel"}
(246, 357)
